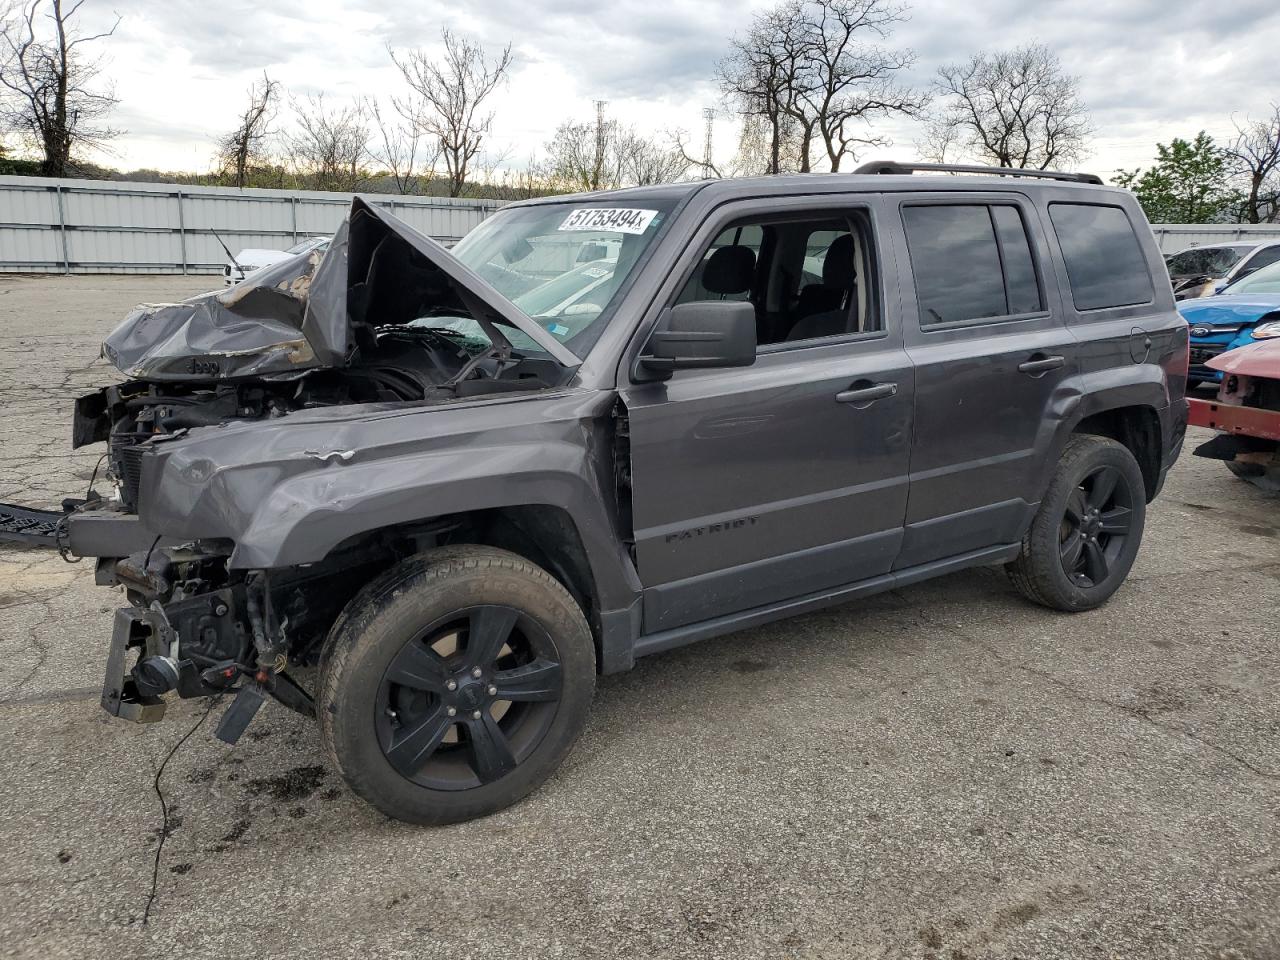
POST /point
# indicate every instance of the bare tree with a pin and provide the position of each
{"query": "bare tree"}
(604, 155)
(583, 156)
(329, 144)
(644, 161)
(762, 76)
(52, 99)
(851, 81)
(245, 146)
(453, 91)
(707, 167)
(1254, 157)
(400, 146)
(1014, 108)
(814, 72)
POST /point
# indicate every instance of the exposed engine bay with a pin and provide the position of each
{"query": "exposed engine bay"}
(385, 316)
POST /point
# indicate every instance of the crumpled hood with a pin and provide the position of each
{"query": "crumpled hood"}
(304, 311)
(1229, 308)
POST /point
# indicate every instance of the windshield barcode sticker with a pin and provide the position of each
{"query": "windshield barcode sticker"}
(617, 219)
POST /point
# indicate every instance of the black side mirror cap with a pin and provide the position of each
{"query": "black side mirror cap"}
(701, 335)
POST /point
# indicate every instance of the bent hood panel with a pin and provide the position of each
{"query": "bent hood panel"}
(1261, 359)
(1229, 308)
(303, 311)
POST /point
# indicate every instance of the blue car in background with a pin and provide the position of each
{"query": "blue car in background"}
(1246, 311)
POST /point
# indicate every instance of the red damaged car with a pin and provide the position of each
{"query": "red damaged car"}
(1247, 414)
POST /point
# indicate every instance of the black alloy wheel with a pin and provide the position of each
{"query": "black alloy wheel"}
(1087, 530)
(1095, 525)
(454, 684)
(468, 698)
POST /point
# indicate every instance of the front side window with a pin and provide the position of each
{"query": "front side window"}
(1105, 263)
(971, 262)
(808, 277)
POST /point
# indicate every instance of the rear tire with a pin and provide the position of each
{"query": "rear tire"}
(1087, 530)
(454, 684)
(1264, 478)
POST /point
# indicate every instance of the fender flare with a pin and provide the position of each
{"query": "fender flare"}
(304, 517)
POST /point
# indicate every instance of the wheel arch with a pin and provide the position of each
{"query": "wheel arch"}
(1137, 428)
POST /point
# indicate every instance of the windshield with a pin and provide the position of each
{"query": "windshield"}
(1263, 280)
(1215, 262)
(308, 244)
(560, 263)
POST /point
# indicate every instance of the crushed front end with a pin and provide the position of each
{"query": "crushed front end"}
(233, 396)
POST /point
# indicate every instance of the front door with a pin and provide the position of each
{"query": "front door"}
(752, 486)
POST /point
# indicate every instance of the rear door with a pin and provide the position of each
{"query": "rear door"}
(983, 327)
(752, 486)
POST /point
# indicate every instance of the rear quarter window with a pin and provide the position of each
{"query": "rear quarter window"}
(1105, 263)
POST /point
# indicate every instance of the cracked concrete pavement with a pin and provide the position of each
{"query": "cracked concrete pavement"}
(942, 772)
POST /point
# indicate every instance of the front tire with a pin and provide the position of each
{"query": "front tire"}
(454, 684)
(1086, 533)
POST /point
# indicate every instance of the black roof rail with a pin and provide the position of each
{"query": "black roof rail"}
(894, 167)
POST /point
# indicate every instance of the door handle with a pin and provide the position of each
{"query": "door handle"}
(1039, 363)
(867, 394)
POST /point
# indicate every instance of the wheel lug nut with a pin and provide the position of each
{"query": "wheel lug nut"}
(476, 672)
(452, 711)
(492, 690)
(451, 685)
(475, 715)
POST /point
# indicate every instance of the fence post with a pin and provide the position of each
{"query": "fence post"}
(293, 208)
(182, 234)
(62, 227)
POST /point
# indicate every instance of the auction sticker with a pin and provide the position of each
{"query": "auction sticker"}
(617, 219)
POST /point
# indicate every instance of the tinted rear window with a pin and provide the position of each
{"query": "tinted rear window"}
(955, 262)
(1105, 263)
(1019, 273)
(971, 262)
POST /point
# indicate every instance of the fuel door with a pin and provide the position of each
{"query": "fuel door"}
(1139, 345)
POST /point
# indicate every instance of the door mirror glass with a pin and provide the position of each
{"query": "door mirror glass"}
(701, 335)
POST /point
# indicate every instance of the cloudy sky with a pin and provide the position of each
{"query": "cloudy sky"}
(1149, 69)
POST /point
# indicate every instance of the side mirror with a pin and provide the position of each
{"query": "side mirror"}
(702, 335)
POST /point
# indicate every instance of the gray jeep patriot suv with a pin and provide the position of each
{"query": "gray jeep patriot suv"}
(465, 482)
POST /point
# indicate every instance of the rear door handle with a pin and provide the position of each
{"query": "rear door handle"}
(867, 394)
(1041, 364)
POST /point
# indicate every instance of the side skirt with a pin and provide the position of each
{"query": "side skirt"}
(679, 636)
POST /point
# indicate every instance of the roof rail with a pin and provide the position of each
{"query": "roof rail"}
(894, 167)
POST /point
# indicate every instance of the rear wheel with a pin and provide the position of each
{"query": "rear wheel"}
(1087, 531)
(455, 684)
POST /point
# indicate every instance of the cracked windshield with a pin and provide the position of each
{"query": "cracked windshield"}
(562, 264)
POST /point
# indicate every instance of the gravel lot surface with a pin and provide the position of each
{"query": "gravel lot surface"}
(944, 771)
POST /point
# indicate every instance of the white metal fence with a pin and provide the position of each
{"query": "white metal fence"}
(103, 226)
(1176, 237)
(107, 226)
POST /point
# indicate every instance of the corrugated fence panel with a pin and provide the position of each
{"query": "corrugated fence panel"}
(92, 226)
(1176, 237)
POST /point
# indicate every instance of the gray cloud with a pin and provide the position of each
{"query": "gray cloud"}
(1148, 68)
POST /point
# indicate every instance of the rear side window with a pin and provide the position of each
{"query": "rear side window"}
(971, 262)
(1105, 263)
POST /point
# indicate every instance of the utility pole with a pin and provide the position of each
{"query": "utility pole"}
(598, 168)
(709, 116)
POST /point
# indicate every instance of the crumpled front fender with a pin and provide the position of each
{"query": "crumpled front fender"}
(288, 493)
